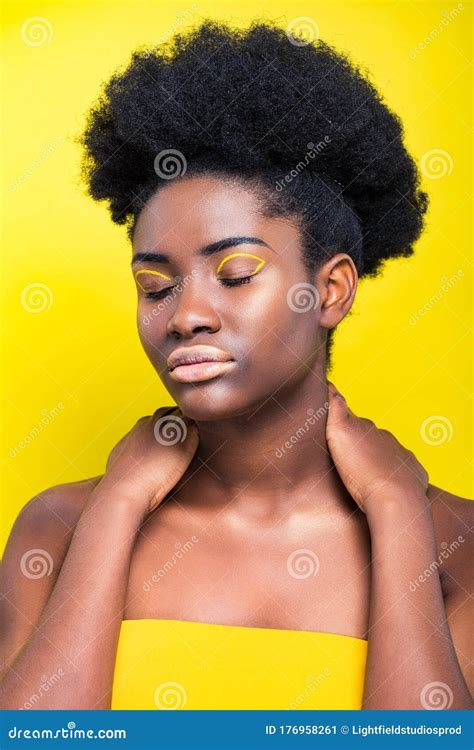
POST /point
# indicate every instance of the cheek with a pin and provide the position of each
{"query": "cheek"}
(285, 316)
(280, 334)
(151, 324)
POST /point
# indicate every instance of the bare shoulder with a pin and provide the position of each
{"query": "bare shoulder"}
(47, 523)
(57, 507)
(452, 514)
(34, 554)
(453, 519)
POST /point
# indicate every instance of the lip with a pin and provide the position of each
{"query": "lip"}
(191, 364)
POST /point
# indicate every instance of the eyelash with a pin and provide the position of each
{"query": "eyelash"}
(158, 295)
(226, 282)
(236, 282)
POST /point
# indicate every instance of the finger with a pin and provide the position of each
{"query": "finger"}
(333, 391)
(162, 411)
(188, 420)
(336, 397)
(337, 402)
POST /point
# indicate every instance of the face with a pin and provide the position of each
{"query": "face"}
(216, 279)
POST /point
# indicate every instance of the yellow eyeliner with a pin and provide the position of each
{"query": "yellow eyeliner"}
(155, 273)
(247, 255)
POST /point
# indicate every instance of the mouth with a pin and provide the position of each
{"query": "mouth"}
(198, 363)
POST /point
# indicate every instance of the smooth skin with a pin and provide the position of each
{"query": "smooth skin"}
(346, 489)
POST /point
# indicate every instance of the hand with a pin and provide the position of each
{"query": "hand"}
(150, 459)
(371, 462)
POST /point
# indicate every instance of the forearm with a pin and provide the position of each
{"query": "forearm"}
(77, 633)
(411, 661)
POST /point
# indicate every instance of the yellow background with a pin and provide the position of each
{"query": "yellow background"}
(83, 351)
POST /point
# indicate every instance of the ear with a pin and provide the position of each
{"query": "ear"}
(336, 281)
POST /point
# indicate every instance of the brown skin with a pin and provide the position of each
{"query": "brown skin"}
(346, 490)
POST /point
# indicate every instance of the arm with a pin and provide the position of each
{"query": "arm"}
(412, 661)
(74, 635)
(77, 631)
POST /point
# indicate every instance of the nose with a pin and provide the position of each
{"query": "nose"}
(194, 312)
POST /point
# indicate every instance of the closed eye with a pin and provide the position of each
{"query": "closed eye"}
(159, 295)
(237, 282)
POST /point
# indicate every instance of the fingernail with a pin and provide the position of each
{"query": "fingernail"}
(337, 393)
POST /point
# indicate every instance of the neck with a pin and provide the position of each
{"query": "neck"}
(271, 455)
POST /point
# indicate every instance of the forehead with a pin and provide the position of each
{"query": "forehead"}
(188, 204)
(191, 212)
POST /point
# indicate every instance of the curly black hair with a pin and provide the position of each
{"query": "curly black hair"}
(298, 121)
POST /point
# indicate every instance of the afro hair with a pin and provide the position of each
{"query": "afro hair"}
(297, 120)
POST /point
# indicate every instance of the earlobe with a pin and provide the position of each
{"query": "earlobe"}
(338, 279)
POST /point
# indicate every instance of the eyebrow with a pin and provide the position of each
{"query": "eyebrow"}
(207, 250)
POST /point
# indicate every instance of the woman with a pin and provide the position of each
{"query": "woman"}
(259, 545)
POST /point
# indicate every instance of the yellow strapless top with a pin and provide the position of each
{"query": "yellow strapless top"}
(171, 664)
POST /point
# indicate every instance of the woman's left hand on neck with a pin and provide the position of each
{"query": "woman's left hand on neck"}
(375, 468)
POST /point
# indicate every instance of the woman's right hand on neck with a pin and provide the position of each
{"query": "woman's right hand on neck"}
(150, 460)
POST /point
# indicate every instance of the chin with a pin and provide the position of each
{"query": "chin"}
(209, 401)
